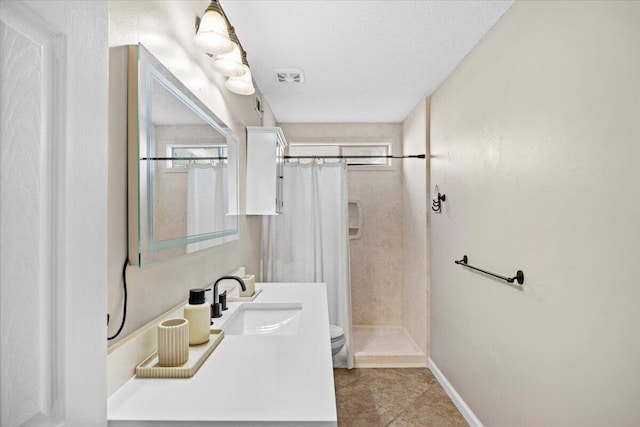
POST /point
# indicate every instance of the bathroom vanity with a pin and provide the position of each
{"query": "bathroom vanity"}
(254, 377)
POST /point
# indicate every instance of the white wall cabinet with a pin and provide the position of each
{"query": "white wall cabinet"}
(265, 163)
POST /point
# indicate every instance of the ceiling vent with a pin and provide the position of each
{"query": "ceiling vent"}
(290, 75)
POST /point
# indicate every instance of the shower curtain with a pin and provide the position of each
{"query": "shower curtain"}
(207, 202)
(309, 242)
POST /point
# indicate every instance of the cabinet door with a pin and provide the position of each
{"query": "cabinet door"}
(265, 168)
(53, 204)
(279, 176)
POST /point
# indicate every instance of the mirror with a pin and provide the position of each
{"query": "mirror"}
(183, 167)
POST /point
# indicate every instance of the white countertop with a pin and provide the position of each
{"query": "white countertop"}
(248, 379)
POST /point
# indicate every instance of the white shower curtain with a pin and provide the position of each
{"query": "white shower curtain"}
(207, 202)
(309, 242)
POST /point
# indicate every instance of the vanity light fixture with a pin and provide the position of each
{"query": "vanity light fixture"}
(230, 64)
(217, 38)
(212, 35)
(242, 85)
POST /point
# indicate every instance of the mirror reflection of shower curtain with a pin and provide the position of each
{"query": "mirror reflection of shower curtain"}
(207, 202)
(309, 241)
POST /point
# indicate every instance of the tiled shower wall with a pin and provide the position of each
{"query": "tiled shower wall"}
(416, 204)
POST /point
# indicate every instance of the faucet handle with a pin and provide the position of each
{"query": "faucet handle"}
(223, 300)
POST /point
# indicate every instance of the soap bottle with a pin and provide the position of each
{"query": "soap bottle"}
(198, 313)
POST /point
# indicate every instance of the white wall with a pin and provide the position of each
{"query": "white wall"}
(415, 190)
(166, 29)
(376, 258)
(535, 141)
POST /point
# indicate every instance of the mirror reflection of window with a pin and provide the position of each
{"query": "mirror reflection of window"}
(183, 155)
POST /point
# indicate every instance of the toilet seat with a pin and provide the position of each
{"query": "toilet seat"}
(336, 333)
(338, 339)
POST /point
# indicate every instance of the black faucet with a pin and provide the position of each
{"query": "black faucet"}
(215, 306)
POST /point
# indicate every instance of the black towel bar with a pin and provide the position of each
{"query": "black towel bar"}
(519, 277)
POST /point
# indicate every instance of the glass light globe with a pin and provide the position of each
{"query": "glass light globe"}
(229, 64)
(213, 34)
(242, 85)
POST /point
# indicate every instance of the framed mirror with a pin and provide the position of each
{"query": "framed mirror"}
(183, 167)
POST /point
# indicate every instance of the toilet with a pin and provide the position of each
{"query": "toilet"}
(337, 339)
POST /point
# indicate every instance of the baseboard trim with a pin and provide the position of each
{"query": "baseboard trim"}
(464, 409)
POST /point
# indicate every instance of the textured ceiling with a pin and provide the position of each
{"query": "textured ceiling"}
(364, 61)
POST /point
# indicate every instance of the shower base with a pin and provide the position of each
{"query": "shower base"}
(385, 347)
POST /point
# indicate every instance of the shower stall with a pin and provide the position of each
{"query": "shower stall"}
(388, 238)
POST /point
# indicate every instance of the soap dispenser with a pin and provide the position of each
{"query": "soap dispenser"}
(197, 313)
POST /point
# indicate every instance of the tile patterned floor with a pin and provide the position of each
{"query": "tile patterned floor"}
(393, 397)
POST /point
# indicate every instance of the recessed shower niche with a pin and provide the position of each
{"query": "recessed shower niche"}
(183, 167)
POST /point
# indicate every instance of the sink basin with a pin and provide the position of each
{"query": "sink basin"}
(264, 319)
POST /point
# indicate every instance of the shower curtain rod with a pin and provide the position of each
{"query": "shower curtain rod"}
(408, 156)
